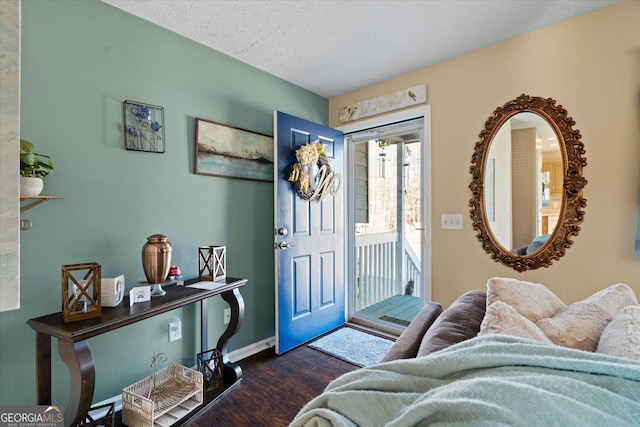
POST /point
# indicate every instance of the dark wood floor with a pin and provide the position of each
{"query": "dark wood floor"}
(274, 388)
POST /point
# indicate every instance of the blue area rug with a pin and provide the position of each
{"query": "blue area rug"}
(353, 346)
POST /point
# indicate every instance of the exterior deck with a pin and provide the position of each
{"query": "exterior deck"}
(387, 279)
(399, 309)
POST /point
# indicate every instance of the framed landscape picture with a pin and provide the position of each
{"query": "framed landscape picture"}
(229, 151)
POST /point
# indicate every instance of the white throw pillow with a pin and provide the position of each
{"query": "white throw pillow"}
(581, 323)
(533, 300)
(621, 337)
(501, 318)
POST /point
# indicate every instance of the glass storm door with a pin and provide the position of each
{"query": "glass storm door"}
(388, 223)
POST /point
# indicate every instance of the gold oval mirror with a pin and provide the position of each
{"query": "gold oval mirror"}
(527, 183)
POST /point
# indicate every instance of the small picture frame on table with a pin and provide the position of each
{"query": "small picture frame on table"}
(139, 294)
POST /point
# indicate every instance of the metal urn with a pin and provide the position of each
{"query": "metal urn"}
(156, 262)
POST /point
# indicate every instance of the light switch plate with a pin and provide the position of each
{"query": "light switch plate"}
(451, 221)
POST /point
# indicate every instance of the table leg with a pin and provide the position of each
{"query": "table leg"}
(232, 372)
(43, 368)
(77, 356)
(204, 325)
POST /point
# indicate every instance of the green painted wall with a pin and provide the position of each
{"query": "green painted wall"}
(80, 61)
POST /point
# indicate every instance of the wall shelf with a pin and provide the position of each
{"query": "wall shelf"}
(25, 224)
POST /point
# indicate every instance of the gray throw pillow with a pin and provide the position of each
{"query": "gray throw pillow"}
(457, 323)
(407, 344)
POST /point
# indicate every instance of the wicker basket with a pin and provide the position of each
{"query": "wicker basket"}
(171, 394)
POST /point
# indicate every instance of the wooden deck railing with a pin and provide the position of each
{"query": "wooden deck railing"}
(412, 271)
(378, 269)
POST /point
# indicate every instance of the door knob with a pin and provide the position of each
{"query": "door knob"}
(282, 231)
(284, 245)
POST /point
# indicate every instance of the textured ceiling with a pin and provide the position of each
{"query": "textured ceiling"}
(335, 47)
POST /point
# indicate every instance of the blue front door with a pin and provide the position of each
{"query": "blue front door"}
(309, 238)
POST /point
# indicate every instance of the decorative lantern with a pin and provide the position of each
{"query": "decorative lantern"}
(212, 263)
(81, 298)
(210, 365)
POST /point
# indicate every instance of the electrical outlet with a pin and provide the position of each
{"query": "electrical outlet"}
(175, 329)
(227, 316)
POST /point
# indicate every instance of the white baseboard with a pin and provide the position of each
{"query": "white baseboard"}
(251, 349)
(234, 356)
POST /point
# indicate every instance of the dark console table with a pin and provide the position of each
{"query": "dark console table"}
(73, 344)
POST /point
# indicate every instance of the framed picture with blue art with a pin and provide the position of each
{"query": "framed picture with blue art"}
(228, 151)
(143, 127)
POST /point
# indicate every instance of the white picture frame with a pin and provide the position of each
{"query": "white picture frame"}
(139, 294)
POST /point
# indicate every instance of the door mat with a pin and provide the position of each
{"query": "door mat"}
(353, 346)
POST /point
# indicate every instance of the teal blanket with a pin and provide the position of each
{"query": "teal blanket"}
(486, 381)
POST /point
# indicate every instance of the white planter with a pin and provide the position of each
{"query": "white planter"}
(31, 186)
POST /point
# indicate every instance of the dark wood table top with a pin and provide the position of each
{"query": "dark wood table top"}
(112, 318)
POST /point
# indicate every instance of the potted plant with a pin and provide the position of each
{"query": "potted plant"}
(33, 168)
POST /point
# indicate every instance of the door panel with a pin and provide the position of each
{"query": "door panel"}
(310, 296)
(327, 280)
(301, 215)
(302, 290)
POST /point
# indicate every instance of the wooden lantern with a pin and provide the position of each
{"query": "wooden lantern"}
(81, 293)
(212, 262)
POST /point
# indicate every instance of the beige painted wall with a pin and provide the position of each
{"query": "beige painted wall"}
(591, 66)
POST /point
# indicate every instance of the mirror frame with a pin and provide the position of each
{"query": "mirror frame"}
(572, 207)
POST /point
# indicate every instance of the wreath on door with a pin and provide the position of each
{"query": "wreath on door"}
(322, 183)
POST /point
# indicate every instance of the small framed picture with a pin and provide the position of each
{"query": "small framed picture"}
(139, 294)
(143, 127)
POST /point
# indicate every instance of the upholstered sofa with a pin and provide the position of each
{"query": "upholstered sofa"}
(434, 329)
(513, 355)
(606, 322)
